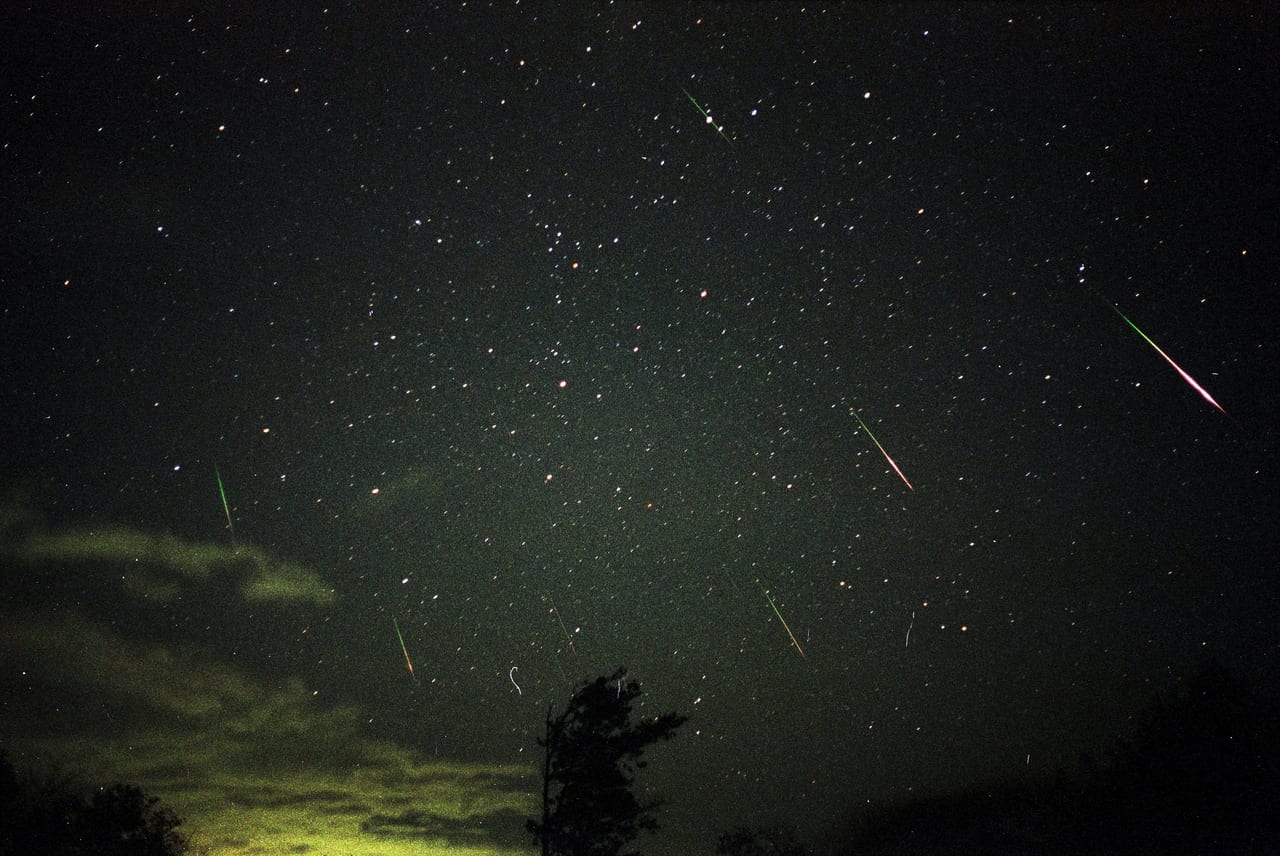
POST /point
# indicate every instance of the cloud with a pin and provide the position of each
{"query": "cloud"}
(253, 758)
(504, 826)
(88, 667)
(159, 566)
(252, 765)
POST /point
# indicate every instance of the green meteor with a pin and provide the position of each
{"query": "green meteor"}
(1190, 380)
(407, 661)
(881, 448)
(783, 620)
(225, 508)
(710, 121)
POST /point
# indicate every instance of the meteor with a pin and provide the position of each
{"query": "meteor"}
(881, 448)
(407, 661)
(565, 630)
(225, 508)
(1188, 378)
(710, 121)
(783, 620)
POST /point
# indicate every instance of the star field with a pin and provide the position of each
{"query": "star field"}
(501, 345)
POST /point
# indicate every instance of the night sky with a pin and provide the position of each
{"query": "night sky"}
(557, 335)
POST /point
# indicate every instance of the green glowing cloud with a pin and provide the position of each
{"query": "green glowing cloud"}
(155, 566)
(251, 765)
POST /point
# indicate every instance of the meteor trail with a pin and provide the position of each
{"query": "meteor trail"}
(1188, 378)
(407, 661)
(783, 620)
(710, 121)
(564, 629)
(881, 448)
(225, 508)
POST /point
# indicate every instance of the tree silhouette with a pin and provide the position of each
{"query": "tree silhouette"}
(592, 753)
(51, 817)
(1201, 774)
(762, 841)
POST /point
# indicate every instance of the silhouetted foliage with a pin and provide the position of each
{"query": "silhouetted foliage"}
(1011, 819)
(761, 841)
(1200, 774)
(51, 817)
(592, 753)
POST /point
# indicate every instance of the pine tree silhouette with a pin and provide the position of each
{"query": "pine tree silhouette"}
(592, 753)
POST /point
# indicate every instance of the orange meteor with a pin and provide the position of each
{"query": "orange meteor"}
(407, 661)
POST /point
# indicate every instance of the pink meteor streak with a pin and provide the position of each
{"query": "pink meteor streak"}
(881, 448)
(1204, 393)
